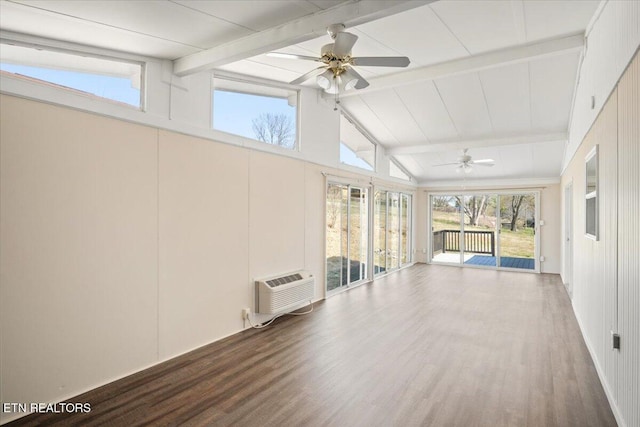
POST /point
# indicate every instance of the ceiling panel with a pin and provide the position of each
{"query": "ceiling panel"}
(507, 92)
(257, 16)
(514, 161)
(360, 111)
(552, 83)
(546, 19)
(37, 22)
(464, 99)
(162, 19)
(396, 117)
(480, 25)
(411, 165)
(251, 68)
(425, 104)
(418, 34)
(547, 159)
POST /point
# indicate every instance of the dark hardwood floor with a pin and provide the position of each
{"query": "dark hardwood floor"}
(429, 345)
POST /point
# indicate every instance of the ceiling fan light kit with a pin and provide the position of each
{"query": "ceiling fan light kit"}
(464, 168)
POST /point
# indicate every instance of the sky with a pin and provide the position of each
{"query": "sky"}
(233, 111)
(115, 88)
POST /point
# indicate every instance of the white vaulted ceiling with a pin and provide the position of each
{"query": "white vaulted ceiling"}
(496, 77)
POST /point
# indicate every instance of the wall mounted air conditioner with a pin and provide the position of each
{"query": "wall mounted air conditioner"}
(284, 293)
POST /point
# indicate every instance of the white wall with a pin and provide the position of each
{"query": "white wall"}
(78, 250)
(123, 245)
(612, 39)
(628, 271)
(203, 241)
(606, 272)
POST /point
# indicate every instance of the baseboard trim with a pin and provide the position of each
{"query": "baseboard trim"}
(601, 375)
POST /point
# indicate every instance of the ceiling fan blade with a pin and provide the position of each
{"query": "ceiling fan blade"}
(483, 161)
(362, 82)
(448, 164)
(343, 44)
(483, 164)
(381, 61)
(303, 78)
(292, 56)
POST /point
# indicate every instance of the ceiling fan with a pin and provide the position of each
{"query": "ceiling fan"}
(465, 162)
(337, 73)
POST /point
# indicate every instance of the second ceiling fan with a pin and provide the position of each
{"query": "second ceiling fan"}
(465, 162)
(337, 74)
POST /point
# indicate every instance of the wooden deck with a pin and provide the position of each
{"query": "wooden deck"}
(429, 345)
(505, 261)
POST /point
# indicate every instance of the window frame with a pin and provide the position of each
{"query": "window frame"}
(249, 81)
(410, 229)
(408, 178)
(591, 198)
(88, 53)
(368, 273)
(374, 168)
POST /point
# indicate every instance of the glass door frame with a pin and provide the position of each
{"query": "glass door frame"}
(410, 227)
(536, 230)
(330, 180)
(498, 193)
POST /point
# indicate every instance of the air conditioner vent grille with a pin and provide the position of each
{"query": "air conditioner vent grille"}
(284, 293)
(284, 280)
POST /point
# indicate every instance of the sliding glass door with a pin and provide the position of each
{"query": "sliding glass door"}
(446, 228)
(405, 228)
(486, 230)
(392, 230)
(347, 235)
(363, 236)
(517, 231)
(380, 232)
(479, 223)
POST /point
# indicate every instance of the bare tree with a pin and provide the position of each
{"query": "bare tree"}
(474, 208)
(334, 204)
(442, 203)
(513, 206)
(276, 129)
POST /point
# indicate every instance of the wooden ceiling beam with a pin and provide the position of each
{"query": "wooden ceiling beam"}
(470, 64)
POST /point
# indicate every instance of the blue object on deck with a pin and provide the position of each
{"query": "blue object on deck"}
(505, 261)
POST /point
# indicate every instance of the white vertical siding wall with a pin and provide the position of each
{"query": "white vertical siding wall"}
(594, 275)
(606, 275)
(611, 42)
(628, 390)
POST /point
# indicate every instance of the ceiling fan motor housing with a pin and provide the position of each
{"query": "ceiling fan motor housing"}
(334, 29)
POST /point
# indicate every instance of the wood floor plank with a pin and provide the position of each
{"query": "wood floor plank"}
(428, 345)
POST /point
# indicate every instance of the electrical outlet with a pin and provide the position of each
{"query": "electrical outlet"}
(246, 312)
(616, 340)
